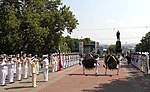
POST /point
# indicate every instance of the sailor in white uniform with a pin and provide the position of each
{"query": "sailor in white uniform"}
(14, 59)
(25, 66)
(37, 64)
(10, 65)
(45, 67)
(19, 70)
(96, 65)
(56, 62)
(33, 68)
(29, 68)
(3, 70)
(96, 58)
(53, 60)
(5, 59)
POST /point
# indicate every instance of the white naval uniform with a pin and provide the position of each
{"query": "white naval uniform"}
(96, 65)
(25, 66)
(64, 61)
(45, 68)
(19, 71)
(53, 63)
(15, 64)
(10, 65)
(5, 59)
(3, 68)
(66, 58)
(29, 68)
(33, 66)
(56, 64)
(37, 66)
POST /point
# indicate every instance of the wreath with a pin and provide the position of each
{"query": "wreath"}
(111, 62)
(89, 61)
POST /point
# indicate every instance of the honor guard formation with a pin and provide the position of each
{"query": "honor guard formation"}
(19, 67)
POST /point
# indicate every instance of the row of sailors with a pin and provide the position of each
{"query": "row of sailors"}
(19, 66)
(12, 66)
(66, 61)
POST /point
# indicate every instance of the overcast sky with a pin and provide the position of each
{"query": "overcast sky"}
(100, 19)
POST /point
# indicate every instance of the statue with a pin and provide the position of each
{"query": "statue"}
(118, 43)
(118, 35)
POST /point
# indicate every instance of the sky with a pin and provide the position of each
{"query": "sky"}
(99, 20)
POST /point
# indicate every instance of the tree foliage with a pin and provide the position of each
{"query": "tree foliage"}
(112, 48)
(69, 44)
(34, 26)
(144, 45)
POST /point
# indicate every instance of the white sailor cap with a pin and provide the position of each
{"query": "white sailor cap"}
(97, 59)
(18, 55)
(24, 55)
(35, 55)
(13, 55)
(45, 55)
(29, 55)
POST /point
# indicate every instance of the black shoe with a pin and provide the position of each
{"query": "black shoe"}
(4, 85)
(96, 74)
(104, 66)
(12, 82)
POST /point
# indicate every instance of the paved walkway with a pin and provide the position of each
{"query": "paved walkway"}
(71, 79)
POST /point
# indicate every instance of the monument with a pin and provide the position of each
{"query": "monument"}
(118, 43)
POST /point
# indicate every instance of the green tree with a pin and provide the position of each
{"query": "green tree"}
(34, 26)
(33, 34)
(86, 40)
(138, 47)
(64, 46)
(112, 49)
(60, 19)
(144, 45)
(9, 26)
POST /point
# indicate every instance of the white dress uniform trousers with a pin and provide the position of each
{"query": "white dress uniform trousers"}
(19, 71)
(29, 68)
(25, 69)
(37, 67)
(15, 66)
(11, 71)
(3, 68)
(45, 69)
(33, 66)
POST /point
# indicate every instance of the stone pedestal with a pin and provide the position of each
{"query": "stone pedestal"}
(118, 47)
